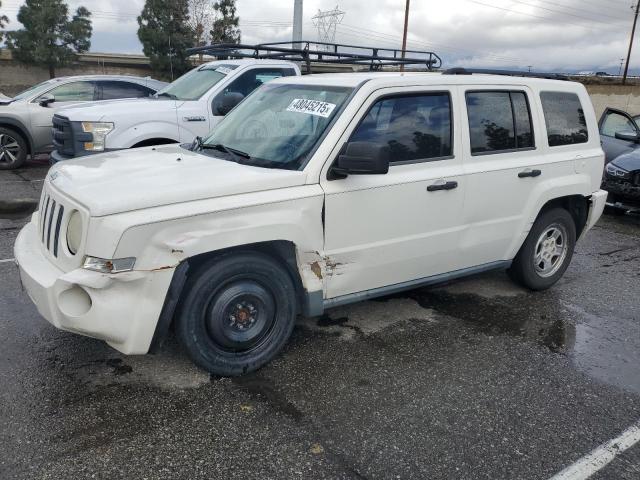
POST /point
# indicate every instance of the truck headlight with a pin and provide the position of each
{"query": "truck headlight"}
(617, 172)
(74, 232)
(99, 130)
(104, 265)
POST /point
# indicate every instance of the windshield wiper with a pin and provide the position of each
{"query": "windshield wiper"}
(222, 148)
(166, 94)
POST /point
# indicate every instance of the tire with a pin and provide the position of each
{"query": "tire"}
(237, 314)
(546, 252)
(13, 149)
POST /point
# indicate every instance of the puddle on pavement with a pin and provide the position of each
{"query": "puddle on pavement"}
(496, 316)
(17, 209)
(605, 348)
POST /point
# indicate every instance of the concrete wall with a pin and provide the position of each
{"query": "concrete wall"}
(624, 97)
(15, 77)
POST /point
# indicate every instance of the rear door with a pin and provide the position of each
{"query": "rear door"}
(114, 89)
(507, 158)
(613, 121)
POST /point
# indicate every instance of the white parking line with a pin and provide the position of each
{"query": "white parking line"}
(7, 260)
(601, 456)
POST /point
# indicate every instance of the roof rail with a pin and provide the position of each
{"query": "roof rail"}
(322, 52)
(512, 73)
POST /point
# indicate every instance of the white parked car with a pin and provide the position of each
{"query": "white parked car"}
(315, 192)
(190, 106)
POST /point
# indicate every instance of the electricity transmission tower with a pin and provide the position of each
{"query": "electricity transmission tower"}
(326, 23)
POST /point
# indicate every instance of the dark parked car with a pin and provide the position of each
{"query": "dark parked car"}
(620, 136)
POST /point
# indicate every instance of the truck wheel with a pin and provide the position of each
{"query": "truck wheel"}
(237, 314)
(547, 251)
(13, 149)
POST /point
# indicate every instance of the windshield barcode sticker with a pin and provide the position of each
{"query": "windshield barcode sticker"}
(225, 70)
(311, 107)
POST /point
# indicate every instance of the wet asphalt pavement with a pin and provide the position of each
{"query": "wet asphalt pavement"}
(477, 379)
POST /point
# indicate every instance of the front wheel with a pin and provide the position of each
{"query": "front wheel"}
(546, 252)
(13, 149)
(238, 312)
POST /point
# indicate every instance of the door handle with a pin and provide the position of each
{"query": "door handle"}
(529, 173)
(442, 186)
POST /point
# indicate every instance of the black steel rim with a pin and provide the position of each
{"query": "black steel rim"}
(240, 315)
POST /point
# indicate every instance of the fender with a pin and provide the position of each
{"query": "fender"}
(544, 192)
(21, 128)
(127, 138)
(168, 237)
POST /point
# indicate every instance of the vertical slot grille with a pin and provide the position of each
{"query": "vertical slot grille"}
(56, 237)
(52, 214)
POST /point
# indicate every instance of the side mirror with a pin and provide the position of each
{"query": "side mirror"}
(363, 158)
(46, 100)
(628, 135)
(229, 100)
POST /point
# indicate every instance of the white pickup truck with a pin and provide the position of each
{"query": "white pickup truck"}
(190, 106)
(314, 192)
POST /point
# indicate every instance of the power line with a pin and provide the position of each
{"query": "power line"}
(532, 15)
(562, 13)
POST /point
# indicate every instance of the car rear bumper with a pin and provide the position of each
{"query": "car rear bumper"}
(598, 201)
(121, 309)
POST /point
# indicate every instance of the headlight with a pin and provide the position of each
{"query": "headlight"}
(74, 232)
(99, 131)
(104, 265)
(614, 171)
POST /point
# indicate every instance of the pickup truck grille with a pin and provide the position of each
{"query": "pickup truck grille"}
(62, 134)
(51, 214)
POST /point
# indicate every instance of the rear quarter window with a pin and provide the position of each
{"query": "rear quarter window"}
(564, 118)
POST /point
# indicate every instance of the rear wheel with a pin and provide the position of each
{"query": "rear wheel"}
(237, 314)
(13, 149)
(547, 251)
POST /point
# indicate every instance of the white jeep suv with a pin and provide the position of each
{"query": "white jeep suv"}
(314, 192)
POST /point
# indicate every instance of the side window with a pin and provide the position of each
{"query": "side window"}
(499, 121)
(616, 122)
(74, 92)
(249, 81)
(416, 127)
(115, 89)
(564, 118)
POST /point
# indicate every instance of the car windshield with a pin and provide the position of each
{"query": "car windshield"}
(194, 84)
(277, 125)
(40, 87)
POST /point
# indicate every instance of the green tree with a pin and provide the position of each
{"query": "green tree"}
(3, 21)
(165, 36)
(49, 38)
(225, 26)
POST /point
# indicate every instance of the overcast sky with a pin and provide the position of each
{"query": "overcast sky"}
(561, 35)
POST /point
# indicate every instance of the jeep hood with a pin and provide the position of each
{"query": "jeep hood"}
(629, 161)
(111, 110)
(126, 180)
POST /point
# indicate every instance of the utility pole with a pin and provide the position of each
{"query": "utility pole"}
(620, 69)
(297, 24)
(406, 27)
(633, 31)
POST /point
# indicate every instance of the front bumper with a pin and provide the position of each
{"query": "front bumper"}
(121, 309)
(622, 193)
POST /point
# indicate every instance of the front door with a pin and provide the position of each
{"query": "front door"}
(382, 230)
(611, 122)
(64, 95)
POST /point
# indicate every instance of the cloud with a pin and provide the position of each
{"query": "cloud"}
(561, 35)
